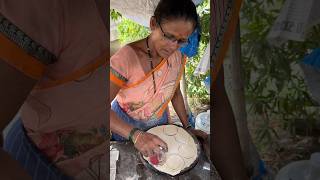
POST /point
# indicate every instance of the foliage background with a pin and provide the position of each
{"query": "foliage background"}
(276, 93)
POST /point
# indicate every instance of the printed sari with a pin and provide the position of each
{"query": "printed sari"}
(137, 97)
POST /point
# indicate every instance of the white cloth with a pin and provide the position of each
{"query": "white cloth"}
(114, 156)
(204, 63)
(113, 30)
(139, 11)
(295, 19)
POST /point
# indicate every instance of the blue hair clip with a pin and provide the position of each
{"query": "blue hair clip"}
(191, 49)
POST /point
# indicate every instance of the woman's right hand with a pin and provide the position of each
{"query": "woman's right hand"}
(148, 144)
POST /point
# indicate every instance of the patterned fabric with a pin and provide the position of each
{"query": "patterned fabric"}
(118, 75)
(66, 122)
(25, 42)
(23, 150)
(226, 13)
(134, 122)
(67, 144)
(137, 97)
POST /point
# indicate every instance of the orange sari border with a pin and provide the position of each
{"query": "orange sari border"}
(164, 107)
(15, 56)
(117, 81)
(147, 75)
(99, 61)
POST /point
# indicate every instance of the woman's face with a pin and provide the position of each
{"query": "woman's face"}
(170, 35)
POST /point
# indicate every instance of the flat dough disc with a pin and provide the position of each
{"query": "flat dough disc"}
(182, 149)
(183, 137)
(187, 151)
(174, 162)
(170, 130)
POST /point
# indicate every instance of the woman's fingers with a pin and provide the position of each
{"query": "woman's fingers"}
(150, 144)
(199, 133)
(160, 143)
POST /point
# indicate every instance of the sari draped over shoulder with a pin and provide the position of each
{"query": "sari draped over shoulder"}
(137, 97)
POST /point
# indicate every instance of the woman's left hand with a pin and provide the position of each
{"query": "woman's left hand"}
(198, 133)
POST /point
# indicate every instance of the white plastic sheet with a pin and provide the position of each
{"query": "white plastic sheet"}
(204, 63)
(139, 11)
(114, 156)
(294, 21)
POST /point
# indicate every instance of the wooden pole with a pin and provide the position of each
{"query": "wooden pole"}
(235, 91)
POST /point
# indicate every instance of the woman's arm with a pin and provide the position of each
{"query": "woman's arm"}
(179, 107)
(226, 155)
(147, 143)
(116, 124)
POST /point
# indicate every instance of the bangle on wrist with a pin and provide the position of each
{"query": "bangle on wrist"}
(133, 130)
(137, 137)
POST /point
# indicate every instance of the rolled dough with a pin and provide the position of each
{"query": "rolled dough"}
(170, 130)
(182, 150)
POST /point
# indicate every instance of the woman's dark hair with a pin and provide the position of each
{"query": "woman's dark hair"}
(176, 9)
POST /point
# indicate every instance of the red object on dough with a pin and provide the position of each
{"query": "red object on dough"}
(154, 160)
